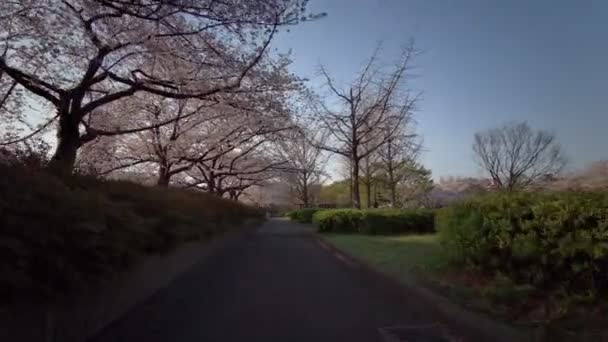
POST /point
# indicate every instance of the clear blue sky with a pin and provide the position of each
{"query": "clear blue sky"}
(485, 62)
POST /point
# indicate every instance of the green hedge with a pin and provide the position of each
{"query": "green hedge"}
(557, 240)
(63, 233)
(302, 215)
(337, 220)
(375, 221)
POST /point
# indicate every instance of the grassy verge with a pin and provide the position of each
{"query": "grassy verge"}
(400, 256)
(60, 234)
(421, 259)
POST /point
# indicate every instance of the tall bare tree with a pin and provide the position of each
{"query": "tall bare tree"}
(81, 55)
(305, 161)
(373, 99)
(516, 156)
(397, 156)
(369, 170)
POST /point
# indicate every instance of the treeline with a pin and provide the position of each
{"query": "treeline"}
(181, 93)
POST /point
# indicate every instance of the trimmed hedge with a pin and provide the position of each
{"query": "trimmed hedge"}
(549, 240)
(393, 221)
(59, 234)
(375, 221)
(338, 220)
(302, 215)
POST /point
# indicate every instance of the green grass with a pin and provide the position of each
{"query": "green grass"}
(421, 259)
(399, 256)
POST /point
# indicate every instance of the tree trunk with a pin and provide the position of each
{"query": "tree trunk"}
(368, 189)
(392, 185)
(356, 196)
(212, 187)
(68, 143)
(235, 195)
(368, 184)
(350, 189)
(305, 192)
(376, 195)
(393, 194)
(164, 178)
(305, 197)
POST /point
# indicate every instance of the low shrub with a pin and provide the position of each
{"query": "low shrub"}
(549, 240)
(338, 220)
(375, 221)
(302, 215)
(397, 221)
(60, 233)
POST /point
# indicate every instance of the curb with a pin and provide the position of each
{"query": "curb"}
(463, 323)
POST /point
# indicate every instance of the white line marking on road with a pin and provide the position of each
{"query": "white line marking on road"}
(323, 245)
(340, 256)
(345, 260)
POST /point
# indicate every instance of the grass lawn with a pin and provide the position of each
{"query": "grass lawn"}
(400, 256)
(419, 258)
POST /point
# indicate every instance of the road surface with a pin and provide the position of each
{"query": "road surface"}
(274, 284)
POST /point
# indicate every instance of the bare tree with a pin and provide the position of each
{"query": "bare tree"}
(305, 161)
(369, 170)
(372, 100)
(516, 156)
(81, 55)
(397, 156)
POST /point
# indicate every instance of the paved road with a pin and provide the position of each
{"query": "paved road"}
(275, 284)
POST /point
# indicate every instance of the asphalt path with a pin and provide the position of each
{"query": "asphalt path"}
(276, 283)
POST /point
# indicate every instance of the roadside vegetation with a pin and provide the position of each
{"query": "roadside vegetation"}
(537, 260)
(375, 221)
(63, 233)
(190, 95)
(302, 215)
(401, 256)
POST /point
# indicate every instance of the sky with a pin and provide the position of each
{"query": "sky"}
(483, 63)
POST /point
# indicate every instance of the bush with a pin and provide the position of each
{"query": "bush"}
(395, 221)
(375, 221)
(60, 233)
(338, 220)
(557, 240)
(302, 215)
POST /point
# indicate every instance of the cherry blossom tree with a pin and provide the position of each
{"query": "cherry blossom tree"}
(162, 150)
(79, 56)
(198, 131)
(234, 172)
